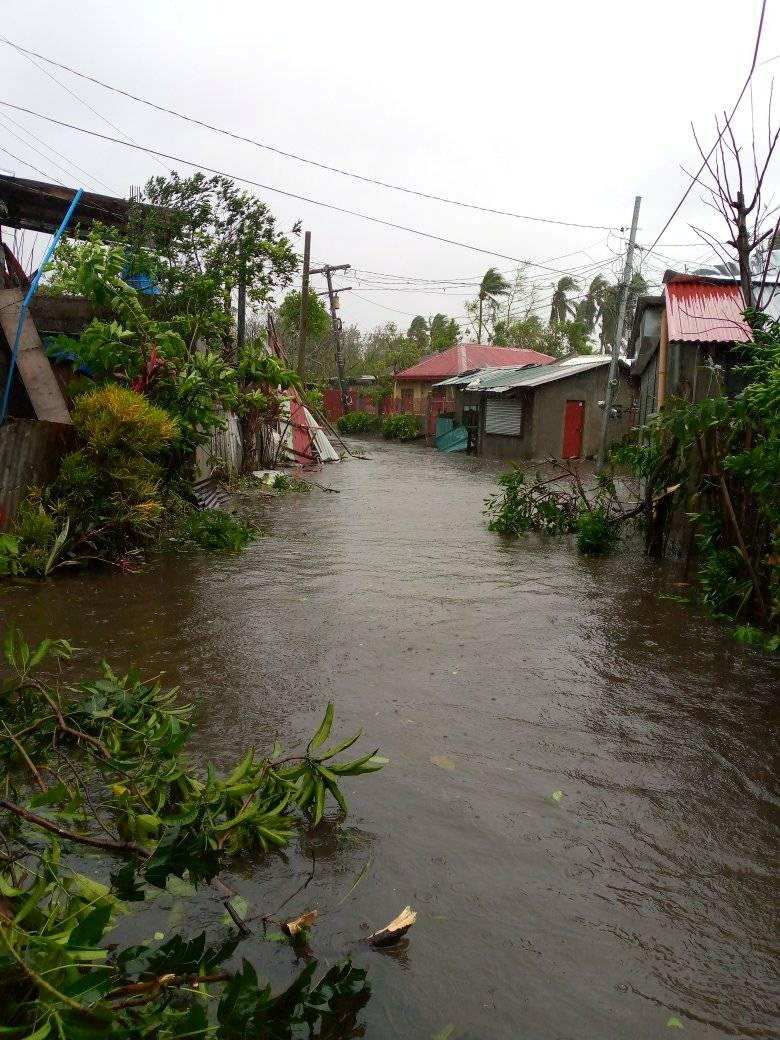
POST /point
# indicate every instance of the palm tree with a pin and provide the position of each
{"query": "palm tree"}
(610, 306)
(591, 308)
(561, 308)
(492, 286)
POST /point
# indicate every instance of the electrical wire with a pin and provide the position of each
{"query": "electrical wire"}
(43, 155)
(30, 166)
(29, 56)
(280, 191)
(300, 158)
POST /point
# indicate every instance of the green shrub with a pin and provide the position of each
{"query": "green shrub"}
(283, 483)
(209, 530)
(403, 427)
(596, 535)
(34, 543)
(529, 504)
(359, 422)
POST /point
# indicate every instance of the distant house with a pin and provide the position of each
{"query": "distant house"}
(542, 412)
(682, 342)
(415, 390)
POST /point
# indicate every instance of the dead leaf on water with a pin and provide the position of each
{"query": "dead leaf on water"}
(298, 924)
(443, 762)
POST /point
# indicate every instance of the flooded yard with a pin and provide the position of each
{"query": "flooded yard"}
(581, 800)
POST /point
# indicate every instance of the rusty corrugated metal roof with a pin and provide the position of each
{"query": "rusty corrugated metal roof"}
(699, 311)
(471, 357)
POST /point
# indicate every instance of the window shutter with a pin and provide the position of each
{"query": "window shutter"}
(504, 416)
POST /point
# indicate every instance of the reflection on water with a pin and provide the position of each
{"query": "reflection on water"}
(649, 889)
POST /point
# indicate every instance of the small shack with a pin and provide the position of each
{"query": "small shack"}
(682, 343)
(550, 411)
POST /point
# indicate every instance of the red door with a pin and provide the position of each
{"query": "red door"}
(573, 425)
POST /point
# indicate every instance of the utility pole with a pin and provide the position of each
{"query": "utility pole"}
(328, 270)
(621, 318)
(241, 315)
(304, 320)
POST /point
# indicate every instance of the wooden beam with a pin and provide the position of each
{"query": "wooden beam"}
(34, 367)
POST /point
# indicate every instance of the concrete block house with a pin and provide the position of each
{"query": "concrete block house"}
(554, 411)
(419, 389)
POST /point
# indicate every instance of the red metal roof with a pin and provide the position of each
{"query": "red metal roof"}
(698, 311)
(470, 357)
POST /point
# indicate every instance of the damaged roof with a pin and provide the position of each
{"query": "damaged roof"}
(498, 381)
(471, 357)
(40, 206)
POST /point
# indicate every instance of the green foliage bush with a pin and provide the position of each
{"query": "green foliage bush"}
(34, 543)
(530, 503)
(596, 533)
(101, 811)
(209, 530)
(403, 427)
(110, 489)
(283, 484)
(359, 422)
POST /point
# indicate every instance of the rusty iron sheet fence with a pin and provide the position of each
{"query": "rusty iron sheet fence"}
(30, 454)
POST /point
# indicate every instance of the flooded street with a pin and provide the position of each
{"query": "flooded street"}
(494, 675)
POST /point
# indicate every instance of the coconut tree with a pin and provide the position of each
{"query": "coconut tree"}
(492, 287)
(591, 308)
(560, 306)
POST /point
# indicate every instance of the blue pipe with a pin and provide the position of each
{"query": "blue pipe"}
(25, 303)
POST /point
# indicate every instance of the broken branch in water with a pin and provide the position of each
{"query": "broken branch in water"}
(397, 928)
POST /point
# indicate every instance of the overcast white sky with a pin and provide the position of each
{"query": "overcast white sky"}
(558, 109)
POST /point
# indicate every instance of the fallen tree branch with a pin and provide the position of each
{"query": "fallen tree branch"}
(128, 848)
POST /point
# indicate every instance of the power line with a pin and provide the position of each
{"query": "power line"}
(472, 280)
(48, 158)
(302, 159)
(742, 92)
(30, 166)
(29, 56)
(279, 191)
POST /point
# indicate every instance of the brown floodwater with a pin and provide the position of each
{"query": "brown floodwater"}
(493, 674)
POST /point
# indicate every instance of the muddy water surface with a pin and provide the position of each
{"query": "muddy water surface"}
(493, 675)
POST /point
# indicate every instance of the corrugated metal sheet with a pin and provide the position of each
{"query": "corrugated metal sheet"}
(226, 444)
(705, 312)
(504, 417)
(485, 373)
(499, 382)
(471, 357)
(30, 454)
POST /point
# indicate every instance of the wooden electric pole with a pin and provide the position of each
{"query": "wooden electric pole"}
(241, 310)
(304, 320)
(328, 270)
(621, 318)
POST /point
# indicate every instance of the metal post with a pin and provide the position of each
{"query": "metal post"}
(609, 396)
(304, 320)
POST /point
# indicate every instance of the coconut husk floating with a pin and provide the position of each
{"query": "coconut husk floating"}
(299, 924)
(397, 928)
